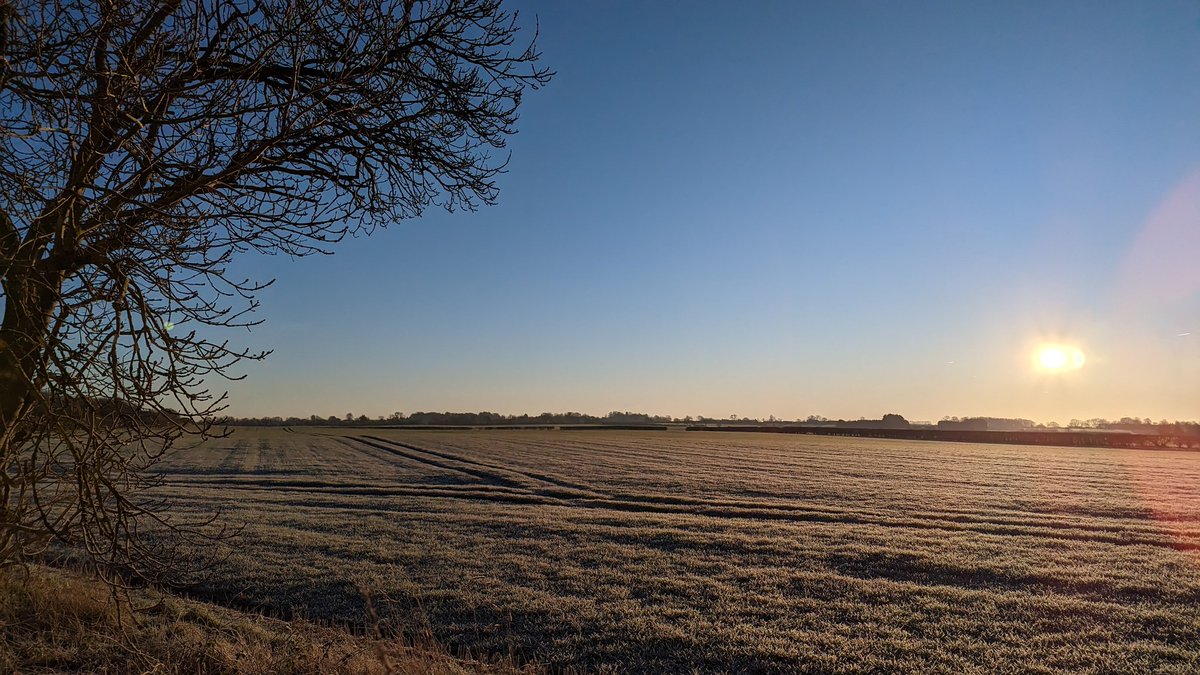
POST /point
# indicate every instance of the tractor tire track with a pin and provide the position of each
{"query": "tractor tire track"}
(583, 489)
(420, 456)
(665, 509)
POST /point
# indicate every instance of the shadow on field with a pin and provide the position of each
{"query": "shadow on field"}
(911, 568)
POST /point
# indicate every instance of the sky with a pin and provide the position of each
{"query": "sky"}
(794, 208)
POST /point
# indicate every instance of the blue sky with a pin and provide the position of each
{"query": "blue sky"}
(791, 208)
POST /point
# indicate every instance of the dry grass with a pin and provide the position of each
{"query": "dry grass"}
(668, 551)
(52, 621)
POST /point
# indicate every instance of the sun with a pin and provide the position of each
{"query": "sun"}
(1058, 358)
(1052, 358)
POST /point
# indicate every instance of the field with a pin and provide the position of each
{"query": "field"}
(674, 551)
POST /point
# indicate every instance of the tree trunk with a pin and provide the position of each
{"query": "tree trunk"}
(30, 299)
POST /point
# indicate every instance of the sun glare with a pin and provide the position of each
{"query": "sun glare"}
(1053, 358)
(1057, 358)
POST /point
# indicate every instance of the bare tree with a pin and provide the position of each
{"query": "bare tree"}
(145, 143)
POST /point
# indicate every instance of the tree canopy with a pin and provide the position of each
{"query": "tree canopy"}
(146, 143)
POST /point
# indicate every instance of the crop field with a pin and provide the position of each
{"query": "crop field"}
(679, 551)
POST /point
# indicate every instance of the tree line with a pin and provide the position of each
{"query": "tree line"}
(889, 421)
(484, 418)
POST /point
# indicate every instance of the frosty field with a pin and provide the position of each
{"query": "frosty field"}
(672, 550)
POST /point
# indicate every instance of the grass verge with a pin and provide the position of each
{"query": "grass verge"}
(56, 621)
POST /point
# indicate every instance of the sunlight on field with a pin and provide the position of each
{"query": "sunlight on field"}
(668, 551)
